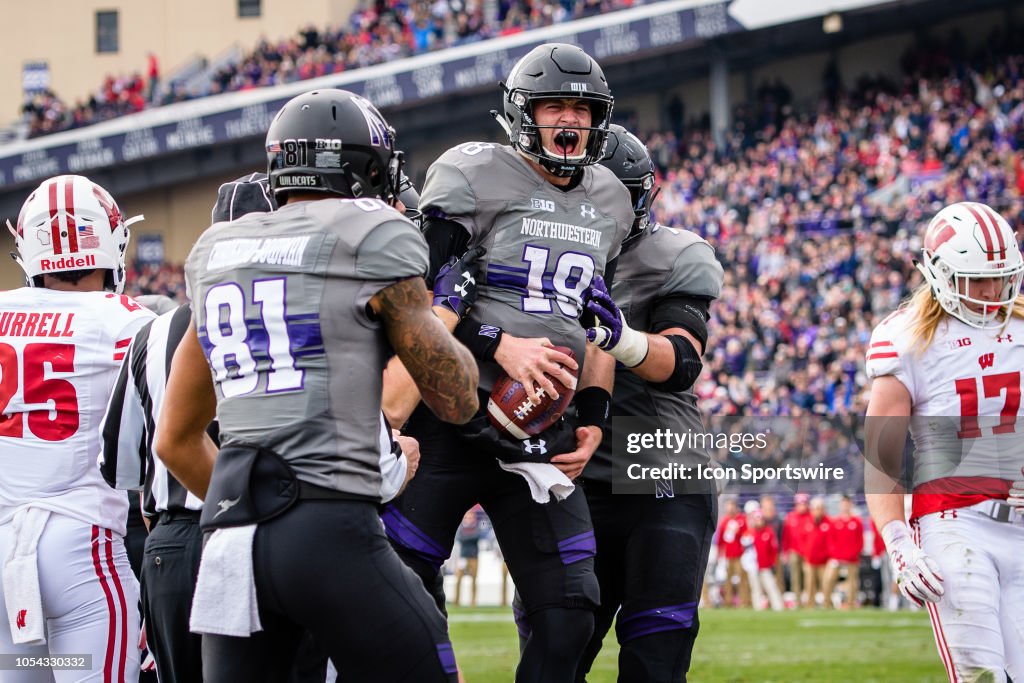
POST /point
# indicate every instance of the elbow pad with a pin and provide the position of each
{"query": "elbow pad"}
(687, 368)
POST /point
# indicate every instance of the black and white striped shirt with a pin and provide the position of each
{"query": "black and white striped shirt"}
(127, 460)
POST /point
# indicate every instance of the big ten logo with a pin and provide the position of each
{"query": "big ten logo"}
(542, 204)
(333, 145)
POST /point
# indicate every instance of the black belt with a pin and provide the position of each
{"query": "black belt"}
(168, 516)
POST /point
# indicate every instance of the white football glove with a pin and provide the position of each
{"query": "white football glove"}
(916, 573)
(1016, 497)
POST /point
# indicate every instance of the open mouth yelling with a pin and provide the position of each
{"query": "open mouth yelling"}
(566, 143)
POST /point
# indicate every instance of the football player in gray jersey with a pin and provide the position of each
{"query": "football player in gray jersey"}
(652, 549)
(551, 220)
(296, 313)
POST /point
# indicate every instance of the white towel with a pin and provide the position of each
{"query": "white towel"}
(544, 479)
(225, 598)
(21, 577)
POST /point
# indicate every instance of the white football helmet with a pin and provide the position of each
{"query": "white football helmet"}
(966, 243)
(71, 223)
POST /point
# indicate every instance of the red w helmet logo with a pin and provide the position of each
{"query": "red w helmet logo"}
(21, 618)
(940, 233)
(986, 360)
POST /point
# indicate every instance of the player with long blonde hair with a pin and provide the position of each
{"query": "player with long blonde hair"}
(947, 368)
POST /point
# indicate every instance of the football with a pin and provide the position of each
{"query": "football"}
(512, 412)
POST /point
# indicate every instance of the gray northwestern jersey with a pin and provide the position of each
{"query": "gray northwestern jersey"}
(544, 245)
(664, 262)
(280, 305)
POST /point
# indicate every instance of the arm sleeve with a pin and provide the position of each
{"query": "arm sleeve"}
(609, 272)
(445, 238)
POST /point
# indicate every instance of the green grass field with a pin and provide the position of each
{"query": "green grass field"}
(741, 646)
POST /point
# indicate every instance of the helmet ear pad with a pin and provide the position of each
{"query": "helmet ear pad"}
(556, 71)
(333, 142)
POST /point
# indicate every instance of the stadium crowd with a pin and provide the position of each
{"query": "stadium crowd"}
(815, 216)
(376, 32)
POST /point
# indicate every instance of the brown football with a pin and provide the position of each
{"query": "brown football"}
(512, 413)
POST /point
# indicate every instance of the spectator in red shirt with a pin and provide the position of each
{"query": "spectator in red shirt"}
(774, 522)
(792, 541)
(766, 546)
(816, 531)
(845, 547)
(730, 547)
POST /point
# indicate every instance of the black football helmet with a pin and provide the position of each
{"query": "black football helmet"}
(562, 71)
(631, 163)
(335, 142)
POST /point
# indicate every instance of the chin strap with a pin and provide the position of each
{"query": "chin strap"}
(502, 122)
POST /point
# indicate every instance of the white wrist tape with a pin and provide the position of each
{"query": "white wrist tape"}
(632, 347)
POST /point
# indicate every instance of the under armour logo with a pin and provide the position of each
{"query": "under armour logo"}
(489, 331)
(467, 281)
(986, 360)
(538, 446)
(950, 514)
(225, 505)
(1005, 337)
(587, 211)
(20, 621)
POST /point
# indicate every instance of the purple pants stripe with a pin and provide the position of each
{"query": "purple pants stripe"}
(670, 618)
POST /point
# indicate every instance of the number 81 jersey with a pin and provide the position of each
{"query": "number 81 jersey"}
(59, 357)
(281, 310)
(965, 388)
(544, 244)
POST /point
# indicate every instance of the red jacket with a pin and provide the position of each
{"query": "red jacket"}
(847, 540)
(766, 545)
(730, 535)
(793, 532)
(816, 540)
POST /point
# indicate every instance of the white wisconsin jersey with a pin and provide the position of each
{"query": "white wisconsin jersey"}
(59, 357)
(966, 394)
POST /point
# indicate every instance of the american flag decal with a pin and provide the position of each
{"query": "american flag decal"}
(87, 238)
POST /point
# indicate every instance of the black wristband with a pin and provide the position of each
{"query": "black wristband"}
(481, 340)
(592, 407)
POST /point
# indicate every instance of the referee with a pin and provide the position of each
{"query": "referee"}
(174, 545)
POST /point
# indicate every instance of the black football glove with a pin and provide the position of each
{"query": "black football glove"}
(557, 439)
(455, 284)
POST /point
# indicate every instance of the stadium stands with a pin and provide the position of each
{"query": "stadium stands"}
(376, 32)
